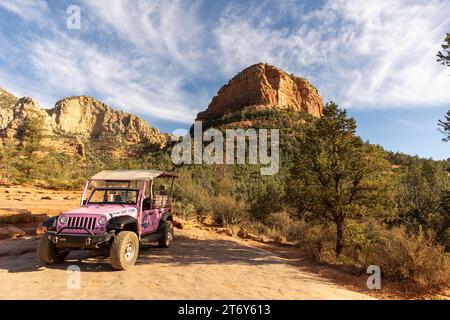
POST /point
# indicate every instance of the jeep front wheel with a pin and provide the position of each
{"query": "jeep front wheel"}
(167, 237)
(124, 250)
(48, 253)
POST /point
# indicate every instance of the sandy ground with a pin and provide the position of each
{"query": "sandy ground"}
(202, 264)
(37, 200)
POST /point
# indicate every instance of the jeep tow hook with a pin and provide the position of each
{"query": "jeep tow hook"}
(88, 240)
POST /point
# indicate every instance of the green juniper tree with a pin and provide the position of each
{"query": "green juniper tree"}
(32, 135)
(445, 127)
(444, 55)
(336, 175)
(8, 156)
(444, 59)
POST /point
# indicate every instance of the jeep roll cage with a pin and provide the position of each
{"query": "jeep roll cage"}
(139, 178)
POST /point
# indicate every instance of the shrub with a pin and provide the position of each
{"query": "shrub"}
(280, 221)
(256, 227)
(60, 184)
(316, 240)
(413, 258)
(407, 257)
(227, 210)
(184, 210)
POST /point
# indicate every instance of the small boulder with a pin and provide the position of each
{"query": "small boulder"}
(280, 240)
(177, 224)
(265, 240)
(252, 237)
(40, 230)
(242, 234)
(11, 232)
(16, 232)
(4, 233)
(228, 231)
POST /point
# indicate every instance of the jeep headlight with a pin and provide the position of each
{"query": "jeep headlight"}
(102, 221)
(62, 219)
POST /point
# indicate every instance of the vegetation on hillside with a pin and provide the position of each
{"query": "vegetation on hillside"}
(339, 198)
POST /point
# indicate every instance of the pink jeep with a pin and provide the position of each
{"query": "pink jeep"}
(119, 210)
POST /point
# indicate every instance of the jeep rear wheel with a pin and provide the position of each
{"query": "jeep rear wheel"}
(124, 250)
(167, 237)
(48, 253)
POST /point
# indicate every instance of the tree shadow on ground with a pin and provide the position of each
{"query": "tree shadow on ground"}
(185, 251)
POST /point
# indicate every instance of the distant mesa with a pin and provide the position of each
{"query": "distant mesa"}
(264, 86)
(79, 119)
(75, 119)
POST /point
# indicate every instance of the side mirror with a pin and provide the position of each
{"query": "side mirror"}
(84, 201)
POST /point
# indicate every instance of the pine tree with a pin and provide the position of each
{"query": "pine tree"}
(33, 134)
(444, 55)
(444, 59)
(445, 124)
(336, 175)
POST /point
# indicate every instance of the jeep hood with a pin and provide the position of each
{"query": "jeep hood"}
(107, 210)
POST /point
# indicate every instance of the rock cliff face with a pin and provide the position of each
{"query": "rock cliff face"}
(89, 117)
(77, 119)
(266, 86)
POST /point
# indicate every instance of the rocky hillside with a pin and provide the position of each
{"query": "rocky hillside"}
(266, 87)
(77, 120)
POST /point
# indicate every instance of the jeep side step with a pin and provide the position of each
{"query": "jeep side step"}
(151, 237)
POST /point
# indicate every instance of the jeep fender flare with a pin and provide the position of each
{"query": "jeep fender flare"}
(50, 222)
(165, 216)
(123, 223)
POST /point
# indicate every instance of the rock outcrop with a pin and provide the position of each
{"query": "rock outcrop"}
(13, 118)
(77, 119)
(87, 116)
(263, 85)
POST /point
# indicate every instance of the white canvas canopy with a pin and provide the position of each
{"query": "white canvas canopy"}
(127, 175)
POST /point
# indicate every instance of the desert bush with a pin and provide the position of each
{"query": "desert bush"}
(317, 240)
(228, 210)
(184, 210)
(413, 258)
(256, 227)
(60, 184)
(280, 221)
(189, 191)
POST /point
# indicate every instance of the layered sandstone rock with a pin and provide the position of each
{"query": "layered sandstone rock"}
(74, 120)
(13, 118)
(89, 117)
(266, 86)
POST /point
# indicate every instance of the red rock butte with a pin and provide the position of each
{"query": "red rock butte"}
(263, 85)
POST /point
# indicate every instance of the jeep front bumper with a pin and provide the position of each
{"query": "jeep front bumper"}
(70, 240)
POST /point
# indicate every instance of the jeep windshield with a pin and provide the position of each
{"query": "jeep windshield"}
(113, 196)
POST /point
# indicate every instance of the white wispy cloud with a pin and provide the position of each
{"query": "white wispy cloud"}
(73, 66)
(361, 53)
(170, 30)
(157, 58)
(28, 10)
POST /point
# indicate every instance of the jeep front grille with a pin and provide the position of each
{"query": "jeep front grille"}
(82, 222)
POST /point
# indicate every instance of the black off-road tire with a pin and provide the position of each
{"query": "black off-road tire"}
(121, 258)
(48, 253)
(167, 237)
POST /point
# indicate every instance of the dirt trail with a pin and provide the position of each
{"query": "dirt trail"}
(202, 264)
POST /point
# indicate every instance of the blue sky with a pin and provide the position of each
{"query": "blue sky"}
(165, 60)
